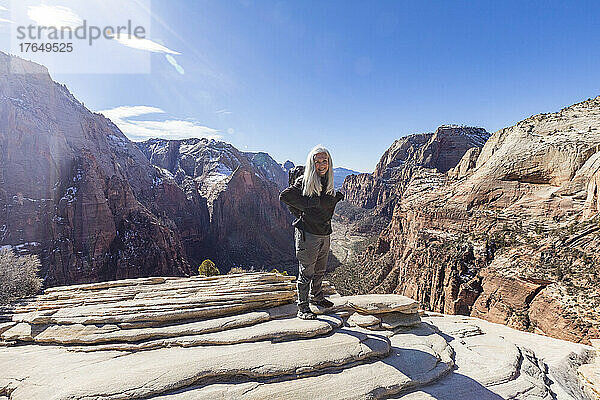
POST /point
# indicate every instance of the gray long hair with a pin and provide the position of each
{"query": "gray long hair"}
(311, 180)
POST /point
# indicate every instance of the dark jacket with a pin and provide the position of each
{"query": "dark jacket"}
(316, 210)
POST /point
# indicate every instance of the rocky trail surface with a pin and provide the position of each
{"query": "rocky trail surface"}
(237, 337)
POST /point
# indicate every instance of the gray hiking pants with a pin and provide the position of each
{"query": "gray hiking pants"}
(312, 252)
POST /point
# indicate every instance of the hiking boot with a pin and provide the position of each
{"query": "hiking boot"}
(324, 303)
(304, 312)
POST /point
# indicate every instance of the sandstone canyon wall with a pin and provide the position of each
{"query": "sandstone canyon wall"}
(77, 192)
(510, 234)
(248, 226)
(74, 189)
(439, 151)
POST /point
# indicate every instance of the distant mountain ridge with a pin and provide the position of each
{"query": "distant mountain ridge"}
(339, 173)
(248, 224)
(269, 168)
(422, 153)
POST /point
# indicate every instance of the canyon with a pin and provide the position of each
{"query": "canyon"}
(75, 191)
(508, 231)
(501, 226)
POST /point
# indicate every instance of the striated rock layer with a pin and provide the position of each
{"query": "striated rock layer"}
(236, 337)
(510, 234)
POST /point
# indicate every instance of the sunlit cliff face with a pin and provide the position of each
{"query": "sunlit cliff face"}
(321, 163)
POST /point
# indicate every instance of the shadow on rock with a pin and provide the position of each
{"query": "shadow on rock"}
(453, 387)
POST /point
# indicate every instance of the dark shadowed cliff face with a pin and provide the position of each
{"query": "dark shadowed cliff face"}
(269, 168)
(248, 224)
(439, 151)
(510, 234)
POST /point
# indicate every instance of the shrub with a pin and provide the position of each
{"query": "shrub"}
(276, 271)
(237, 270)
(18, 276)
(208, 268)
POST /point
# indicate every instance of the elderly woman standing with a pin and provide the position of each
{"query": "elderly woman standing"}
(313, 195)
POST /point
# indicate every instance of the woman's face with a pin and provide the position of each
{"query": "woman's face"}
(321, 163)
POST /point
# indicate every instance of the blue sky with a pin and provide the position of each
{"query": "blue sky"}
(282, 76)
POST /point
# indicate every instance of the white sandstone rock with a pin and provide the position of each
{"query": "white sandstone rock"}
(364, 320)
(382, 303)
(172, 338)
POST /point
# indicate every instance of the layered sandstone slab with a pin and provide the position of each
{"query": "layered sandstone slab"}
(497, 362)
(250, 345)
(589, 374)
(417, 358)
(357, 319)
(382, 303)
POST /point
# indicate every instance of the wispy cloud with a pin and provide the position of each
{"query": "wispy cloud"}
(174, 63)
(223, 112)
(131, 111)
(56, 16)
(3, 8)
(143, 44)
(5, 20)
(146, 129)
(59, 16)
